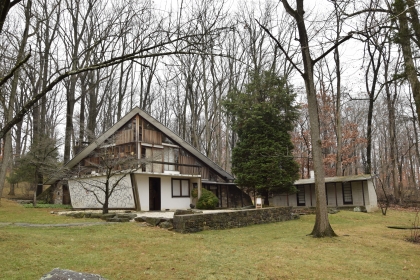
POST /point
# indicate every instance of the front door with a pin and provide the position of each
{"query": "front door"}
(154, 194)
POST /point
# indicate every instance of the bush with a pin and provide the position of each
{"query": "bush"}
(194, 193)
(207, 200)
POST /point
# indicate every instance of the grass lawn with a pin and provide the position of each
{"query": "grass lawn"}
(365, 249)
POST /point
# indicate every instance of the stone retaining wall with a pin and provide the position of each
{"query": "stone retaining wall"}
(225, 220)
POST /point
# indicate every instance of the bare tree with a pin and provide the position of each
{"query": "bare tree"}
(107, 171)
(322, 226)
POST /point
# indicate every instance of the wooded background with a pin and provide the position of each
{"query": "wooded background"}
(82, 65)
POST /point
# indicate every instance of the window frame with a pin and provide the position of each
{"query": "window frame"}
(301, 194)
(181, 194)
(347, 185)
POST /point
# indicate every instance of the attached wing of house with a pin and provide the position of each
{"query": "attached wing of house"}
(344, 191)
(169, 168)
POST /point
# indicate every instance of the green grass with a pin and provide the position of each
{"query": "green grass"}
(12, 212)
(366, 249)
(50, 206)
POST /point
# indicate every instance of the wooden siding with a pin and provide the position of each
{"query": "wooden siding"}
(124, 136)
(138, 134)
(152, 137)
(205, 173)
(188, 169)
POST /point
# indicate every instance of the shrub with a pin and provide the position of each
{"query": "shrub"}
(207, 200)
(194, 192)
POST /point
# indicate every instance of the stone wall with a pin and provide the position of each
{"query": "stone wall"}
(232, 219)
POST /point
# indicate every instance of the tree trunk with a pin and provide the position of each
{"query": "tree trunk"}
(106, 201)
(404, 41)
(322, 225)
(8, 151)
(339, 134)
(12, 189)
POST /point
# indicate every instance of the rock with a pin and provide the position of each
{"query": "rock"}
(140, 219)
(295, 216)
(96, 215)
(64, 274)
(129, 216)
(166, 225)
(333, 211)
(79, 215)
(88, 214)
(71, 214)
(183, 212)
(118, 220)
(357, 209)
(154, 221)
(107, 216)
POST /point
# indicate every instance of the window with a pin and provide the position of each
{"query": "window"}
(171, 156)
(300, 196)
(347, 193)
(180, 188)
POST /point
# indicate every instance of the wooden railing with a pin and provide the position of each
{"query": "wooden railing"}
(152, 166)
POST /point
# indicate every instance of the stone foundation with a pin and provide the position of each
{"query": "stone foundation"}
(234, 219)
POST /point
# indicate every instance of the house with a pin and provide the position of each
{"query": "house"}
(170, 168)
(345, 191)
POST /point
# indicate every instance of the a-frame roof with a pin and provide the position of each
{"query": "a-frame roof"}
(178, 140)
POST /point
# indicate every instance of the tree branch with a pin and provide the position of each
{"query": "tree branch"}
(349, 36)
(280, 46)
(17, 66)
(289, 9)
(110, 62)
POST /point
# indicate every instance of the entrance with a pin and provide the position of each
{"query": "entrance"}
(154, 194)
(66, 195)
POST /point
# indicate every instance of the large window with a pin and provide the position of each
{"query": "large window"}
(180, 188)
(347, 193)
(300, 196)
(171, 156)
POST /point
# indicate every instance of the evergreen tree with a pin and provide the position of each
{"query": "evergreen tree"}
(38, 165)
(262, 116)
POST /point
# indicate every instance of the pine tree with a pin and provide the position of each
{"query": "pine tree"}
(262, 116)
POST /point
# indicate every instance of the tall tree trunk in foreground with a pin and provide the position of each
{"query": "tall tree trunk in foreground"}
(403, 38)
(322, 225)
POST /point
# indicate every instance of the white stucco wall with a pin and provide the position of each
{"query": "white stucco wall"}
(371, 198)
(167, 201)
(82, 197)
(142, 183)
(358, 193)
